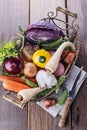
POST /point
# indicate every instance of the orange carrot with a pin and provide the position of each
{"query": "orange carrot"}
(14, 86)
(14, 78)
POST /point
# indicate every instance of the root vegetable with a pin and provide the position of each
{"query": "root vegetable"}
(13, 78)
(49, 102)
(53, 62)
(30, 69)
(26, 94)
(14, 86)
(31, 82)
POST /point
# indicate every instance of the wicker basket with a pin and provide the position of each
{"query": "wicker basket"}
(71, 32)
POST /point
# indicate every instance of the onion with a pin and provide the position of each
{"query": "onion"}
(30, 69)
(13, 65)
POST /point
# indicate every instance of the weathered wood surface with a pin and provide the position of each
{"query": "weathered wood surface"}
(40, 8)
(79, 107)
(15, 13)
(12, 14)
(78, 113)
(38, 119)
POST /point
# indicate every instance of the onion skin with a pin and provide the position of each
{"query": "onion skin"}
(60, 70)
(30, 69)
(13, 65)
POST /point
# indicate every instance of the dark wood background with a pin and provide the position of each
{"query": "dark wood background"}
(32, 117)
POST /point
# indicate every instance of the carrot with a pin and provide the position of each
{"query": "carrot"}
(14, 78)
(14, 86)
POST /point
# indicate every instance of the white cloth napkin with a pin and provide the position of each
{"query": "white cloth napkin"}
(55, 110)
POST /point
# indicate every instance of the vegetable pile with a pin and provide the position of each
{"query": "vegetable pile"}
(36, 68)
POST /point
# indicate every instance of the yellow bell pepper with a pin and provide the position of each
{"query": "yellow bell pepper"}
(41, 57)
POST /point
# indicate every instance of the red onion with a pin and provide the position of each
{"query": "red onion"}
(13, 65)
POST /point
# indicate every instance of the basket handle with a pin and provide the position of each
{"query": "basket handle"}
(13, 101)
(66, 11)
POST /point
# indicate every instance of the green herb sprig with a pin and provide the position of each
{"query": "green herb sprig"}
(8, 50)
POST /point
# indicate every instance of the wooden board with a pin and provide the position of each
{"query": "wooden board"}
(40, 8)
(79, 107)
(12, 14)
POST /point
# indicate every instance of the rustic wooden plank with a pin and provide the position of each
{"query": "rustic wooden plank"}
(43, 7)
(37, 118)
(12, 14)
(40, 8)
(79, 107)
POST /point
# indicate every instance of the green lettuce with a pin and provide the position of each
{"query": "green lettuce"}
(8, 49)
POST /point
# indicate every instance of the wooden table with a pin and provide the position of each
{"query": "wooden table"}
(32, 117)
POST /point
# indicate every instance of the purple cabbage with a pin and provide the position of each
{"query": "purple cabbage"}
(42, 30)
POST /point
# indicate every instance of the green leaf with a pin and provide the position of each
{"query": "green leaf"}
(8, 50)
